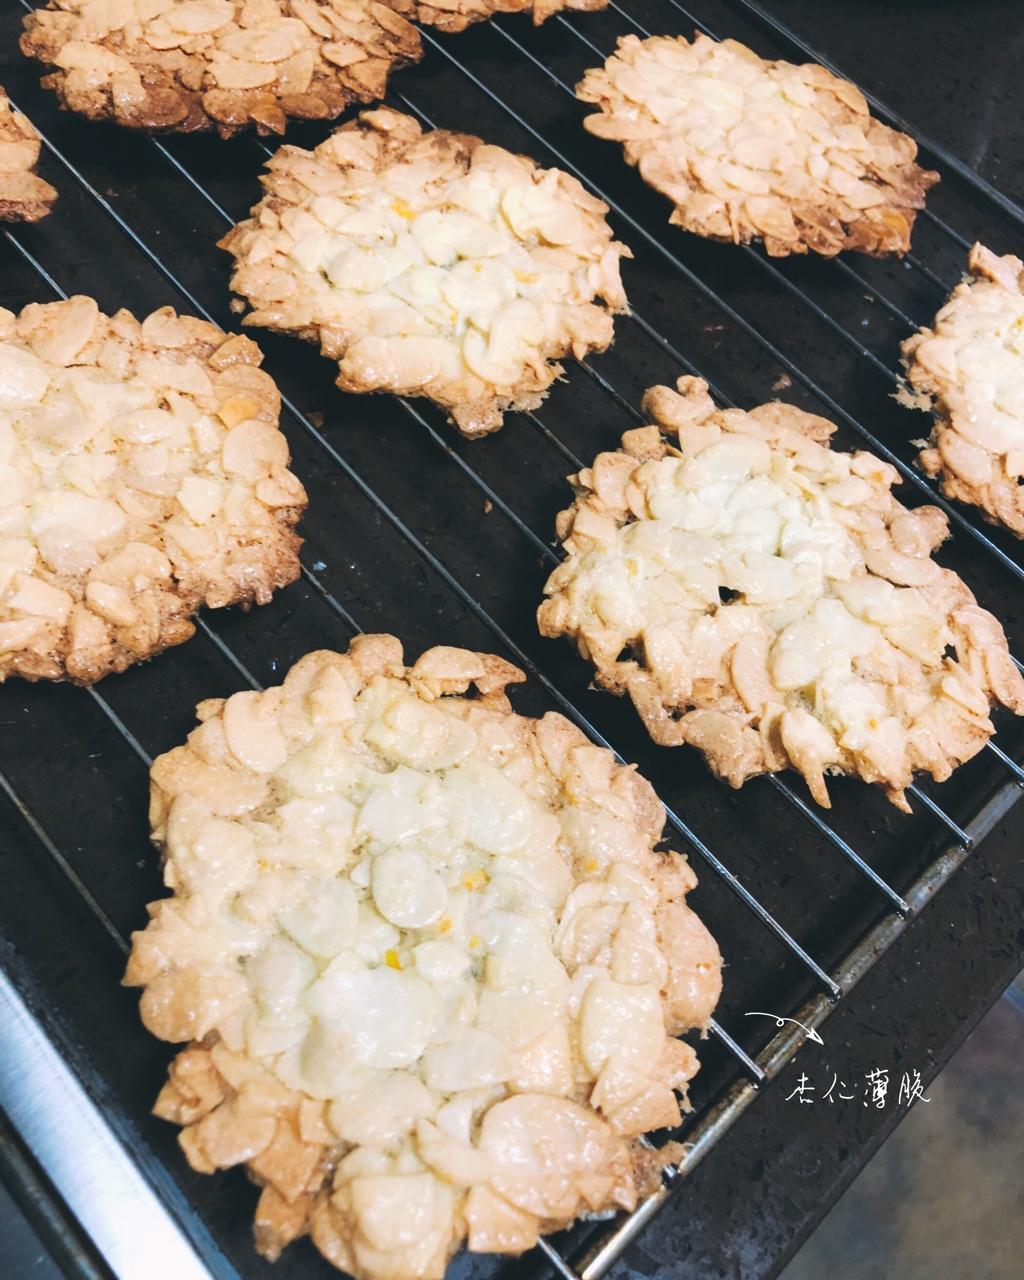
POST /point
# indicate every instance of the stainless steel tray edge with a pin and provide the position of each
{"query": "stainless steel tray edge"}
(63, 1128)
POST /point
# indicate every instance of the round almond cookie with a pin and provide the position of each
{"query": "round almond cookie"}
(188, 65)
(24, 196)
(430, 264)
(142, 475)
(768, 601)
(969, 370)
(428, 958)
(457, 15)
(754, 150)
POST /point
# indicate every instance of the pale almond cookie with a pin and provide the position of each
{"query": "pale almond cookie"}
(430, 264)
(754, 150)
(969, 370)
(188, 65)
(24, 196)
(142, 475)
(428, 957)
(768, 601)
(457, 15)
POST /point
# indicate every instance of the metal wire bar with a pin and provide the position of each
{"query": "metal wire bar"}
(875, 295)
(794, 370)
(958, 832)
(667, 346)
(601, 381)
(33, 261)
(556, 1260)
(554, 441)
(737, 1051)
(33, 824)
(835, 839)
(228, 653)
(930, 215)
(120, 725)
(925, 270)
(331, 600)
(1011, 764)
(819, 312)
(513, 517)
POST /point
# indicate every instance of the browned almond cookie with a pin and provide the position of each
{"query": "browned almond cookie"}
(457, 15)
(748, 149)
(430, 264)
(969, 370)
(142, 475)
(767, 600)
(24, 196)
(187, 65)
(429, 957)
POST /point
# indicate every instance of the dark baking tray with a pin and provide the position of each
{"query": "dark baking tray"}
(415, 531)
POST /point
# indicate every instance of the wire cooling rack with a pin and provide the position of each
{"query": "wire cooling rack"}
(519, 83)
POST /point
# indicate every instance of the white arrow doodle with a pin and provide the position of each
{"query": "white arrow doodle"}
(779, 1022)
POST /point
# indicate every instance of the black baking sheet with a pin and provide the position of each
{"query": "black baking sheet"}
(428, 555)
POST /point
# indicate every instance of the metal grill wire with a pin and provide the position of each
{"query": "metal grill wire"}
(709, 1127)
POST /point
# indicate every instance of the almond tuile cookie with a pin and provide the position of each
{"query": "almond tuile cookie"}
(754, 150)
(24, 196)
(430, 264)
(968, 369)
(143, 475)
(768, 601)
(228, 65)
(428, 958)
